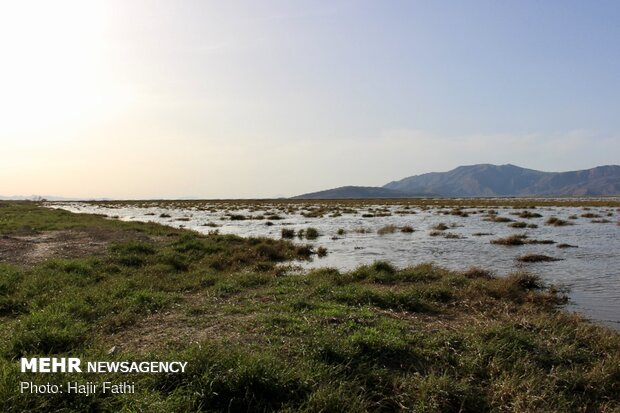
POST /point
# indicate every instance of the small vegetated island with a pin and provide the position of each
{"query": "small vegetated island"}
(260, 337)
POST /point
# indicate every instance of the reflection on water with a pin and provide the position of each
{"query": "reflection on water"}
(591, 271)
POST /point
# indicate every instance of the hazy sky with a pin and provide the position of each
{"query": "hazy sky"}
(220, 99)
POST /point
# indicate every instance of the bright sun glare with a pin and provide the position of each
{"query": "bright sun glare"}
(54, 68)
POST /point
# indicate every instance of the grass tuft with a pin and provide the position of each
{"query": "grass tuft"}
(557, 222)
(536, 258)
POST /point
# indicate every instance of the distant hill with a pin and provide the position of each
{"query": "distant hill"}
(511, 180)
(485, 180)
(356, 192)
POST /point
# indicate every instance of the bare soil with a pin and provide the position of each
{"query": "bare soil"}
(34, 248)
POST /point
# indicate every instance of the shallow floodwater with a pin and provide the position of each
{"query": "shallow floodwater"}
(591, 271)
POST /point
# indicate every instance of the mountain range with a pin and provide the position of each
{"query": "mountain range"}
(486, 180)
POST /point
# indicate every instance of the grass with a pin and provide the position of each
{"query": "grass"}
(459, 212)
(288, 233)
(536, 258)
(496, 218)
(23, 218)
(529, 214)
(258, 336)
(557, 222)
(353, 206)
(590, 215)
(447, 235)
(312, 233)
(517, 239)
(520, 239)
(518, 224)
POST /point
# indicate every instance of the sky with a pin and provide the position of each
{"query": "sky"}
(250, 99)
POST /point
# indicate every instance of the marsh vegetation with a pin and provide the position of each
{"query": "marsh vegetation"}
(260, 335)
(353, 232)
(536, 258)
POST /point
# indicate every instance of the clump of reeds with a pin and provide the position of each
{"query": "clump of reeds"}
(312, 233)
(459, 212)
(528, 214)
(590, 215)
(496, 218)
(314, 213)
(288, 233)
(517, 239)
(557, 222)
(536, 258)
